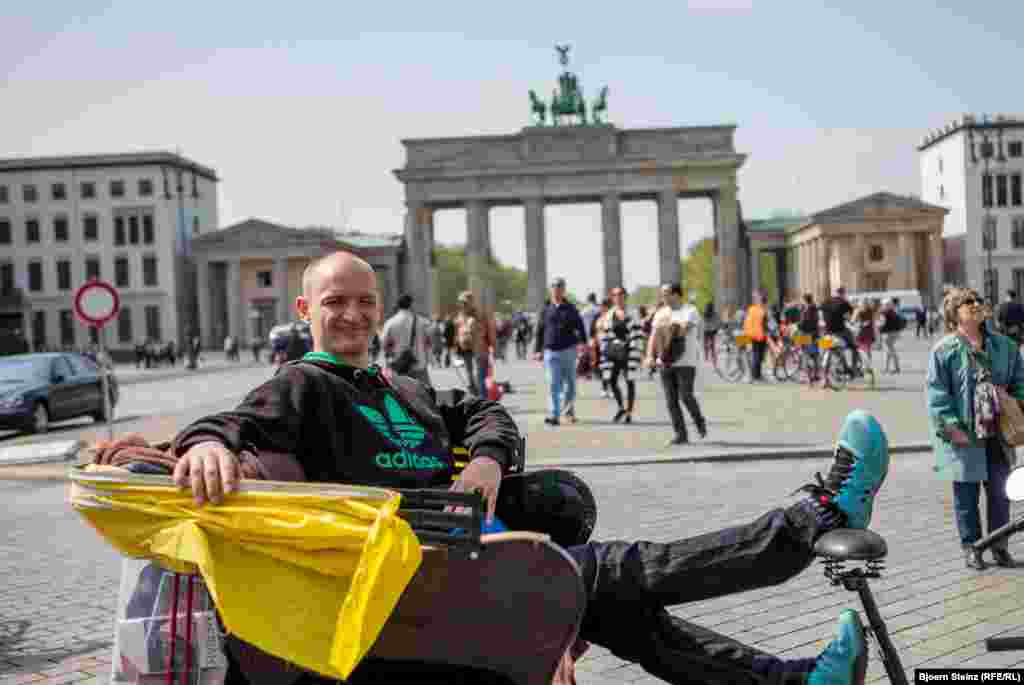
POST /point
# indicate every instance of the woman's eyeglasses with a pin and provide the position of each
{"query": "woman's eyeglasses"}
(970, 302)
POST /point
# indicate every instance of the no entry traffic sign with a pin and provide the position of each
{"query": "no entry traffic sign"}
(96, 303)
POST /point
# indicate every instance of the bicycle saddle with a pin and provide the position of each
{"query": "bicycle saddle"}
(848, 544)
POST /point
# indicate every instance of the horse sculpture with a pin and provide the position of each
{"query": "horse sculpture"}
(538, 109)
(568, 102)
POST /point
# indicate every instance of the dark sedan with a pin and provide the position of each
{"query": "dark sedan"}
(37, 389)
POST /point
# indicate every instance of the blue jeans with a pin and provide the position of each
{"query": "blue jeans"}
(482, 364)
(560, 367)
(966, 496)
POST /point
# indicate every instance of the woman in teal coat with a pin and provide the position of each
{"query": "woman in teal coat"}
(965, 370)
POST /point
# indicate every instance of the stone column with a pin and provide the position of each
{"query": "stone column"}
(611, 230)
(755, 267)
(478, 250)
(236, 313)
(284, 299)
(204, 320)
(727, 229)
(858, 264)
(905, 261)
(935, 259)
(536, 253)
(419, 227)
(670, 270)
(824, 245)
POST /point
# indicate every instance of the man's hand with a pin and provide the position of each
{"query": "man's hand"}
(211, 469)
(483, 475)
(958, 437)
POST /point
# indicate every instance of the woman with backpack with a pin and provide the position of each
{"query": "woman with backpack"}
(621, 338)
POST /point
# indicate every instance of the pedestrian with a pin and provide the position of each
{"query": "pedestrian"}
(968, 370)
(590, 315)
(621, 340)
(475, 340)
(712, 322)
(922, 321)
(437, 341)
(449, 340)
(892, 324)
(836, 310)
(674, 348)
(140, 355)
(755, 327)
(296, 346)
(1010, 317)
(594, 345)
(560, 337)
(194, 348)
(864, 316)
(405, 343)
(809, 325)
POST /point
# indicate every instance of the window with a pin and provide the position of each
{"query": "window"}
(60, 229)
(124, 325)
(29, 193)
(145, 187)
(1016, 149)
(121, 272)
(92, 268)
(35, 277)
(133, 229)
(88, 189)
(32, 230)
(990, 236)
(119, 238)
(875, 282)
(117, 189)
(1017, 237)
(147, 229)
(5, 231)
(195, 225)
(986, 190)
(876, 253)
(5, 195)
(91, 227)
(264, 279)
(1001, 190)
(38, 329)
(67, 328)
(153, 322)
(63, 274)
(1015, 191)
(58, 191)
(149, 271)
(6, 278)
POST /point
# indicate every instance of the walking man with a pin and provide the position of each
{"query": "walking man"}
(407, 332)
(560, 335)
(678, 376)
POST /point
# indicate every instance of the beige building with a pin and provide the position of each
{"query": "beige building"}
(879, 242)
(249, 274)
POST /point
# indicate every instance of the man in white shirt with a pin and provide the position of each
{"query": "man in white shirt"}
(678, 376)
(398, 336)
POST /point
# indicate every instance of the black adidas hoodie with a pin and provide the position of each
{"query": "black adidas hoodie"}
(349, 425)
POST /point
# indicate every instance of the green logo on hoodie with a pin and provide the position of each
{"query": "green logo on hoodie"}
(403, 432)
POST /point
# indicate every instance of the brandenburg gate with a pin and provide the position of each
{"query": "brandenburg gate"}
(579, 161)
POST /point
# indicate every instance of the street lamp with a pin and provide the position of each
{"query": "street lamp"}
(987, 151)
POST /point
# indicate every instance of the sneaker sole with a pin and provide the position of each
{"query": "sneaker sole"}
(520, 504)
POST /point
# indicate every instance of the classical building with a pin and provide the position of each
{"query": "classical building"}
(250, 273)
(879, 242)
(974, 168)
(128, 219)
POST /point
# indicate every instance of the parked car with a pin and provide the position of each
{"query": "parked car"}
(38, 389)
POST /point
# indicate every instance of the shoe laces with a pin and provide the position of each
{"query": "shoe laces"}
(826, 489)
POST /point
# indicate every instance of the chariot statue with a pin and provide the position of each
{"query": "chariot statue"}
(567, 100)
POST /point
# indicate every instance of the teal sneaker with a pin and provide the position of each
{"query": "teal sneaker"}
(845, 659)
(861, 463)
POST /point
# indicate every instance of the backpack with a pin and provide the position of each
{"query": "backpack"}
(465, 337)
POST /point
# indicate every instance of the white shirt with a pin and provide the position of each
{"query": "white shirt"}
(399, 329)
(686, 314)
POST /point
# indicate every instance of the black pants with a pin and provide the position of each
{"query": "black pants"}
(622, 369)
(758, 348)
(677, 382)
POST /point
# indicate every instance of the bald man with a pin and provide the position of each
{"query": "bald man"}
(340, 417)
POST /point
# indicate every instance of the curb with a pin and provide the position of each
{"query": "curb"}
(751, 455)
(40, 453)
(185, 373)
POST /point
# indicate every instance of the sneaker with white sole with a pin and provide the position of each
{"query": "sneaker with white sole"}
(845, 660)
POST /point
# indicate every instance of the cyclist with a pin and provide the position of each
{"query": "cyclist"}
(836, 310)
(808, 325)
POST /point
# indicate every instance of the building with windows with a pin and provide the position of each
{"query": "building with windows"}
(250, 273)
(980, 190)
(128, 219)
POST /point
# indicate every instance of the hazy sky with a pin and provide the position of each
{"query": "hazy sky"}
(300, 106)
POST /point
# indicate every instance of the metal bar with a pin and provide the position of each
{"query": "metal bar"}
(891, 659)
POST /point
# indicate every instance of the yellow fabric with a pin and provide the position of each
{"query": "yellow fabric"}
(310, 579)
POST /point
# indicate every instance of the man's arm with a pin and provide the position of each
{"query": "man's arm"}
(581, 330)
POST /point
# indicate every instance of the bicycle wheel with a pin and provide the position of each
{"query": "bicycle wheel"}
(791, 359)
(835, 373)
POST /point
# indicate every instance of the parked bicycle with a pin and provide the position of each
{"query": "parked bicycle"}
(801, 359)
(838, 366)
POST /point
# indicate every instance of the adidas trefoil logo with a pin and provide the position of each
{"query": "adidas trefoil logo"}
(403, 432)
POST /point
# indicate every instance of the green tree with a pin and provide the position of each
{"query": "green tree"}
(509, 283)
(700, 271)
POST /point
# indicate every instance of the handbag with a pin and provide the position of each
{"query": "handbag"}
(404, 362)
(617, 351)
(1011, 419)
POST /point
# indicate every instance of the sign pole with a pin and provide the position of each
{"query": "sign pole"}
(101, 357)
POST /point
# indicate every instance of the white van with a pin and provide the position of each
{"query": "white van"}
(908, 298)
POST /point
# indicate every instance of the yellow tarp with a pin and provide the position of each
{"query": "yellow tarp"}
(310, 578)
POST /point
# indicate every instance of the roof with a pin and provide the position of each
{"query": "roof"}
(969, 122)
(774, 224)
(261, 231)
(876, 201)
(106, 160)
